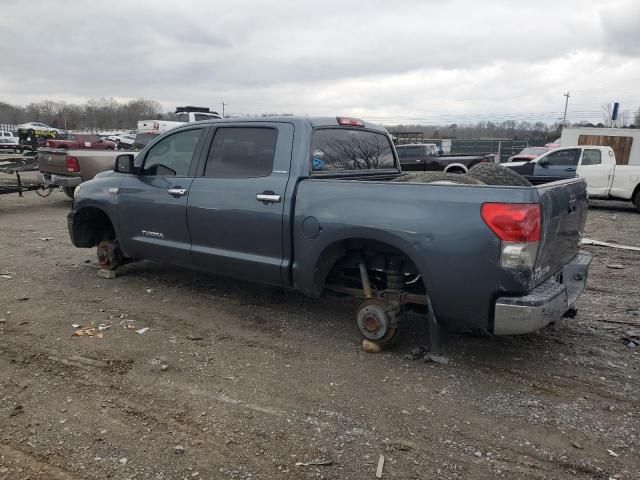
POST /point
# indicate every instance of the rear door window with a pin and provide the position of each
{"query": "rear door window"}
(347, 149)
(242, 152)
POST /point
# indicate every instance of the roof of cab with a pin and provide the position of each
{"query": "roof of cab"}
(313, 122)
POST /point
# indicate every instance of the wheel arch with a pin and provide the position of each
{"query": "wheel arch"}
(90, 225)
(634, 196)
(456, 166)
(311, 275)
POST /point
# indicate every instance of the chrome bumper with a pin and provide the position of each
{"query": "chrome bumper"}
(546, 303)
(61, 181)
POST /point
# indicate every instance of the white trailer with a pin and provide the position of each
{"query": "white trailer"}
(625, 142)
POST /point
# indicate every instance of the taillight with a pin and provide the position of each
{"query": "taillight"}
(353, 122)
(72, 164)
(517, 225)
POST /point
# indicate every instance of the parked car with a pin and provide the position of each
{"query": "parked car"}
(9, 144)
(329, 207)
(69, 168)
(597, 165)
(428, 157)
(81, 141)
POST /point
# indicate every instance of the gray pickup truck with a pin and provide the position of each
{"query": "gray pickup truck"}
(315, 203)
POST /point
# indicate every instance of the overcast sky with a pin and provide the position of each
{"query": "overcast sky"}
(427, 61)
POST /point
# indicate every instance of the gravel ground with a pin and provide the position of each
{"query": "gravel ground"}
(237, 381)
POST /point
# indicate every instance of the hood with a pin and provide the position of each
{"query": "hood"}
(514, 164)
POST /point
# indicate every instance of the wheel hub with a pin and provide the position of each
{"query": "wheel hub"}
(373, 321)
(372, 324)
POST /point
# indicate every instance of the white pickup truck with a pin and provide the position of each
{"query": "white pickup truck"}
(597, 165)
(183, 115)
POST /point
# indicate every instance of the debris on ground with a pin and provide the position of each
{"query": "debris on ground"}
(179, 449)
(143, 330)
(416, 354)
(612, 453)
(437, 358)
(103, 326)
(615, 266)
(5, 276)
(108, 274)
(380, 466)
(598, 243)
(321, 463)
(45, 239)
(370, 347)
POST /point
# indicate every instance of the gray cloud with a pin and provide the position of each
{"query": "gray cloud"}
(374, 57)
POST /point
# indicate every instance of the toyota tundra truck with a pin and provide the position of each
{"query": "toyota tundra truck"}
(321, 203)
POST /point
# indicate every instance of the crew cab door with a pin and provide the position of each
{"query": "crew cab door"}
(152, 205)
(557, 165)
(236, 203)
(597, 170)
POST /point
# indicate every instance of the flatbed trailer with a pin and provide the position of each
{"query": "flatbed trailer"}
(12, 182)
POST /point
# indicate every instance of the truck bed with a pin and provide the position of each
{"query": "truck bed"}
(417, 218)
(91, 162)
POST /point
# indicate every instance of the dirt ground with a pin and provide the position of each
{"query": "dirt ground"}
(237, 381)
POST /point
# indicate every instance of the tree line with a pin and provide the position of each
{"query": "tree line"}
(110, 114)
(96, 113)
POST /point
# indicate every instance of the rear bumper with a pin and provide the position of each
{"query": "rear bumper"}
(546, 303)
(61, 181)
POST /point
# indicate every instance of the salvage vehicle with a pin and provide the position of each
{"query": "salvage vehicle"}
(81, 141)
(428, 157)
(321, 203)
(40, 128)
(597, 165)
(69, 168)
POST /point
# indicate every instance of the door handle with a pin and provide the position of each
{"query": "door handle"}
(569, 169)
(268, 197)
(177, 191)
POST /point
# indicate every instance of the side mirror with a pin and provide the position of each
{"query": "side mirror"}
(543, 162)
(124, 163)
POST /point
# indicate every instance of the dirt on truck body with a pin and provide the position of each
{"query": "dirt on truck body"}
(231, 380)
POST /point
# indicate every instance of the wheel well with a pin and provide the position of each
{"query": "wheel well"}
(90, 226)
(345, 255)
(456, 169)
(636, 192)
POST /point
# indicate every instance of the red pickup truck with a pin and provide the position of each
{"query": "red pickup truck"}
(82, 141)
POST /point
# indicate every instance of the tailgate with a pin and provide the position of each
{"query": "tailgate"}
(53, 161)
(564, 207)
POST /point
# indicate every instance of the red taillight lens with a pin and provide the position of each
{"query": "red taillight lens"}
(72, 164)
(353, 122)
(513, 222)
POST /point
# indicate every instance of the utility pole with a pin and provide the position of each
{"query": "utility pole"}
(223, 105)
(566, 104)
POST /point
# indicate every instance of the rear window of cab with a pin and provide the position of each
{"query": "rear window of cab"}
(350, 149)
